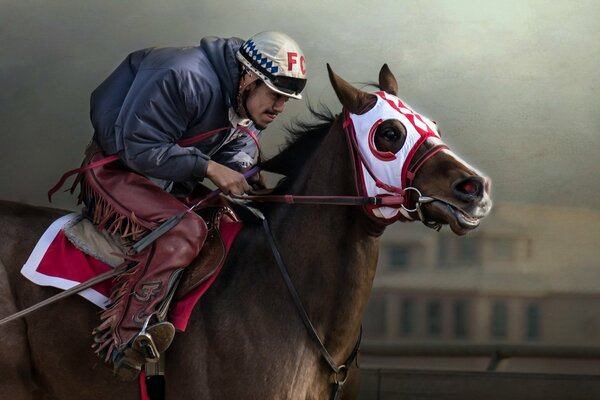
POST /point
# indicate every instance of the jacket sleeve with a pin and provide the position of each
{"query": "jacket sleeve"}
(157, 111)
(239, 154)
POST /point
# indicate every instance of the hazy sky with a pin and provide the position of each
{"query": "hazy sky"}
(512, 84)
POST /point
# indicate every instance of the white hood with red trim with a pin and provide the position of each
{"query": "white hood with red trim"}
(387, 167)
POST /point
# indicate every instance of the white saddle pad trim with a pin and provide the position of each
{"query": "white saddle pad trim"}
(29, 269)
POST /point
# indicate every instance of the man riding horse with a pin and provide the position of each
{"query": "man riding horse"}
(155, 98)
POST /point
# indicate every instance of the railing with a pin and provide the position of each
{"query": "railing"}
(386, 382)
(495, 352)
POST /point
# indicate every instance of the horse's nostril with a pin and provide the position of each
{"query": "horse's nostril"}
(470, 188)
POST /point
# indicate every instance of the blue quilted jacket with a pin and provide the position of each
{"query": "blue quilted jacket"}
(157, 96)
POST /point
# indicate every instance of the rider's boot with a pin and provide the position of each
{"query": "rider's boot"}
(134, 329)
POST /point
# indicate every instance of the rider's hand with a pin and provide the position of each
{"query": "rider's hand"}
(226, 179)
(256, 181)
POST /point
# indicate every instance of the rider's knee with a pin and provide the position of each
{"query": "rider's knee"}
(186, 239)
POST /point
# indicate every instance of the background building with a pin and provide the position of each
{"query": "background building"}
(529, 274)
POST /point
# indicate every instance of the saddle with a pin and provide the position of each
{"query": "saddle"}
(213, 253)
(112, 249)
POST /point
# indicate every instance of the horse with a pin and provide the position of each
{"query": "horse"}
(245, 339)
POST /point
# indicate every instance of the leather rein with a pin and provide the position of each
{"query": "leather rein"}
(341, 371)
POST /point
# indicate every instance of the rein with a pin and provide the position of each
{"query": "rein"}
(340, 371)
(379, 201)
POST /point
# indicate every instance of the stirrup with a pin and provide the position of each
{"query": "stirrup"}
(153, 340)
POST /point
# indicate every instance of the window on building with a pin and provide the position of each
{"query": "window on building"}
(444, 254)
(461, 318)
(407, 317)
(499, 320)
(532, 322)
(503, 249)
(374, 320)
(434, 318)
(459, 252)
(399, 257)
(467, 251)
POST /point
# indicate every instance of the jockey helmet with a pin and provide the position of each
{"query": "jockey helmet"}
(277, 60)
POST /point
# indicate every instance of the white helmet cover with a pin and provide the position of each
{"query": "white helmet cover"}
(278, 60)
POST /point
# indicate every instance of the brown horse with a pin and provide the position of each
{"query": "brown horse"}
(245, 340)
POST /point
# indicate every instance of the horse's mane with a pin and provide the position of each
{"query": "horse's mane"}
(302, 139)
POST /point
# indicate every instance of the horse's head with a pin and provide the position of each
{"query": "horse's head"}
(401, 157)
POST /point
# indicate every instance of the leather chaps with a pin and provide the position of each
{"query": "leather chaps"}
(128, 204)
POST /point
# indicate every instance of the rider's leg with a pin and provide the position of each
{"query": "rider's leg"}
(129, 204)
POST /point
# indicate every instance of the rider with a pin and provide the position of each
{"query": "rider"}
(154, 98)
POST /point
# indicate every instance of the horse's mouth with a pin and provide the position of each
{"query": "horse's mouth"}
(459, 221)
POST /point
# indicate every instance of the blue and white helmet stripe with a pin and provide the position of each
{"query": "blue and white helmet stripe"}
(250, 48)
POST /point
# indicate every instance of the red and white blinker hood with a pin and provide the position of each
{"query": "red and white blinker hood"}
(389, 168)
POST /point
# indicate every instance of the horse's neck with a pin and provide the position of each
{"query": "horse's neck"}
(332, 264)
(328, 249)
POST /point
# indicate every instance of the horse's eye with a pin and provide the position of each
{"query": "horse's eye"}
(390, 136)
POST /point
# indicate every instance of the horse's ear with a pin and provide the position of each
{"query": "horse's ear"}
(354, 100)
(387, 81)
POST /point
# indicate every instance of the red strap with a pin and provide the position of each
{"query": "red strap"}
(115, 157)
(392, 201)
(69, 173)
(197, 138)
(375, 202)
(378, 183)
(416, 166)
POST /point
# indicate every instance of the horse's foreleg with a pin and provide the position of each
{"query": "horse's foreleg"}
(15, 365)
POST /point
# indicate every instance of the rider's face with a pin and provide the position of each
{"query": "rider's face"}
(263, 105)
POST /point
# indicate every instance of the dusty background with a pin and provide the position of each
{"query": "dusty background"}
(513, 84)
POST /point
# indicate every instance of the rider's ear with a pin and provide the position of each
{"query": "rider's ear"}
(387, 81)
(354, 100)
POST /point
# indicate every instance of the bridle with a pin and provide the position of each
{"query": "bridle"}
(409, 199)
